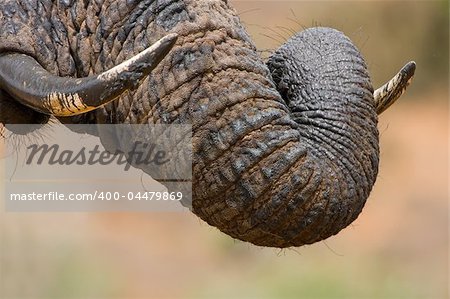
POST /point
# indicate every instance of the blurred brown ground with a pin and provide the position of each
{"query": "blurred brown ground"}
(397, 248)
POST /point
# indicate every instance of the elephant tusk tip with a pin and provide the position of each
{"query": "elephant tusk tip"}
(386, 95)
(168, 41)
(174, 36)
(409, 70)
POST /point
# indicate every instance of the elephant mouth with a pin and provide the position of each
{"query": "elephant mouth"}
(13, 114)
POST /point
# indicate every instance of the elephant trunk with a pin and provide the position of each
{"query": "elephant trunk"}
(275, 170)
(293, 172)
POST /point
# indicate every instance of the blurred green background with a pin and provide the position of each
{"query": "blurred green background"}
(397, 248)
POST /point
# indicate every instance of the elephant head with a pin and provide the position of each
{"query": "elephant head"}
(284, 153)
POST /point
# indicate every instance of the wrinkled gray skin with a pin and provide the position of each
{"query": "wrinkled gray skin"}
(284, 154)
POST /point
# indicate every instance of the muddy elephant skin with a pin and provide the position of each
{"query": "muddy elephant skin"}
(284, 153)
